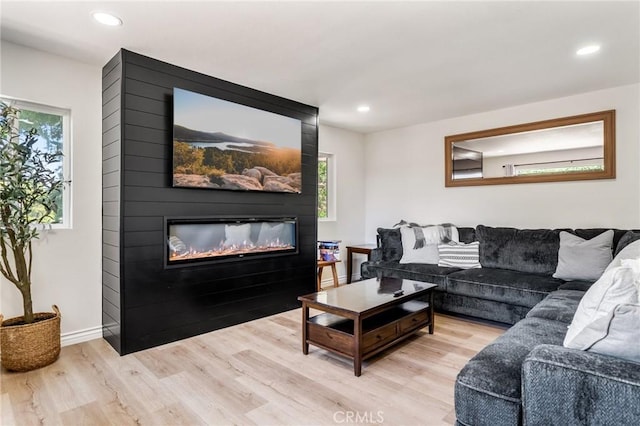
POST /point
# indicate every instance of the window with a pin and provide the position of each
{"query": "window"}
(326, 187)
(570, 166)
(53, 127)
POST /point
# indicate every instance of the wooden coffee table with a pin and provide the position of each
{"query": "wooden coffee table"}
(362, 319)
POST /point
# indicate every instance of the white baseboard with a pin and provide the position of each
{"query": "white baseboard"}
(80, 336)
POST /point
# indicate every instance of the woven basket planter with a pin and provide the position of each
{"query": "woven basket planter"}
(26, 347)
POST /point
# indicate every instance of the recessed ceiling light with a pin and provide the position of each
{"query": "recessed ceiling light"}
(107, 19)
(364, 108)
(588, 50)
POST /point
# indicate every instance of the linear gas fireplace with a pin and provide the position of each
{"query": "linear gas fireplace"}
(197, 240)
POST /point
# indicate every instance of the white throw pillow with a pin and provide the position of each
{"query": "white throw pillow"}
(632, 251)
(617, 334)
(617, 286)
(580, 259)
(237, 235)
(427, 253)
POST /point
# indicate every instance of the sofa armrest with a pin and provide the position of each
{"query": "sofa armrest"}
(375, 255)
(562, 386)
(368, 269)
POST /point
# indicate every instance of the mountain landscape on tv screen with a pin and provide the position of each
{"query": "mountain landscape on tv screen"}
(219, 160)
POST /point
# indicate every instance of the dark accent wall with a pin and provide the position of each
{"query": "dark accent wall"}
(144, 304)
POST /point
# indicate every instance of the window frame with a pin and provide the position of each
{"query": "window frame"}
(331, 187)
(67, 173)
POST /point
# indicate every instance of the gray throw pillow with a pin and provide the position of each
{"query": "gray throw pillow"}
(390, 244)
(580, 259)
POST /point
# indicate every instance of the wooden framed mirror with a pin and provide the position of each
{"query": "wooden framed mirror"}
(580, 147)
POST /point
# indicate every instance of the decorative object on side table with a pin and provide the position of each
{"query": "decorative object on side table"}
(328, 255)
(28, 190)
(329, 250)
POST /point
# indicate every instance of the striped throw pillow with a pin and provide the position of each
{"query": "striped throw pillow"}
(459, 255)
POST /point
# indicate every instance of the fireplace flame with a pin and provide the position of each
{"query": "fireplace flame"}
(247, 247)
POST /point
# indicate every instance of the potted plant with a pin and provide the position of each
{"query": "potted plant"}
(29, 185)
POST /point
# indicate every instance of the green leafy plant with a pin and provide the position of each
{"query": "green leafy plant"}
(29, 188)
(323, 195)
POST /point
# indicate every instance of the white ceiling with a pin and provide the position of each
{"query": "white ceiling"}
(412, 62)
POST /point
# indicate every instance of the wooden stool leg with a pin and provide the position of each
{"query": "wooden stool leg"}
(335, 275)
(319, 286)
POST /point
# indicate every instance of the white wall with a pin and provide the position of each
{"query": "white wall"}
(405, 173)
(348, 150)
(67, 264)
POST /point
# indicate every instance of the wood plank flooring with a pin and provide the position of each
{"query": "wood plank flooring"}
(249, 374)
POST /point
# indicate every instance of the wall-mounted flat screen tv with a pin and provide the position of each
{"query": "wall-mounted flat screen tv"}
(219, 144)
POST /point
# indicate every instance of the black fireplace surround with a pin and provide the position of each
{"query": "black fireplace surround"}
(213, 239)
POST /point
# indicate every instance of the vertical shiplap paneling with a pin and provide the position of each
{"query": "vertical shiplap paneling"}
(111, 201)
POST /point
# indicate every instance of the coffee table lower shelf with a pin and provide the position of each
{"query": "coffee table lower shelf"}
(339, 334)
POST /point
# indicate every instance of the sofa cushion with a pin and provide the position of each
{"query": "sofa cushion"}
(579, 285)
(525, 250)
(487, 390)
(411, 271)
(466, 234)
(390, 243)
(479, 308)
(502, 285)
(560, 306)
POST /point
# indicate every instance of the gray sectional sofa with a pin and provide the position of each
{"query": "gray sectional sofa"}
(516, 273)
(525, 376)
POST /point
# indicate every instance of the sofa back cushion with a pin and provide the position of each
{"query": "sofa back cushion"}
(390, 244)
(589, 233)
(525, 250)
(625, 240)
(467, 235)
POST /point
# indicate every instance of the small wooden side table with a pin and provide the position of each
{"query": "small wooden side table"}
(322, 264)
(358, 248)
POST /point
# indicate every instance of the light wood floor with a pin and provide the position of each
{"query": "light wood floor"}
(253, 373)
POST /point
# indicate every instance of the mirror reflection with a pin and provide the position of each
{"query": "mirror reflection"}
(570, 148)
